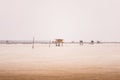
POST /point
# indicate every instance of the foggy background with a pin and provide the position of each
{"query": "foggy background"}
(68, 19)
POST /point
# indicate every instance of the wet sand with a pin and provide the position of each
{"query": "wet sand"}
(70, 62)
(85, 76)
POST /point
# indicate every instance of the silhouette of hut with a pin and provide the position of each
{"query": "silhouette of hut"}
(98, 42)
(81, 42)
(59, 42)
(92, 42)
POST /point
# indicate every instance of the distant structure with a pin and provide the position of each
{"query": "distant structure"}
(92, 42)
(33, 43)
(98, 42)
(72, 42)
(7, 42)
(81, 42)
(49, 44)
(59, 42)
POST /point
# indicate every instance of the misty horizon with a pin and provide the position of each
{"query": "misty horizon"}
(71, 20)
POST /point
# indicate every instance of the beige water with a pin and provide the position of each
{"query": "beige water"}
(70, 58)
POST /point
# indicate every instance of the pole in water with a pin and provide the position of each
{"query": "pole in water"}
(49, 43)
(33, 43)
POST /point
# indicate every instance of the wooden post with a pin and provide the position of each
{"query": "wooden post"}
(49, 43)
(33, 43)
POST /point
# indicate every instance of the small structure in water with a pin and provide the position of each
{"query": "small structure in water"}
(59, 42)
(98, 42)
(92, 42)
(81, 42)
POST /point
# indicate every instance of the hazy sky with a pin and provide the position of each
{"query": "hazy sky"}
(68, 19)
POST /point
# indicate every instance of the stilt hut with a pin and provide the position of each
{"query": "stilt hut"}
(59, 42)
(81, 42)
(92, 42)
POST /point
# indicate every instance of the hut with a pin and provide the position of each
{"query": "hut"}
(81, 42)
(59, 42)
(98, 42)
(92, 42)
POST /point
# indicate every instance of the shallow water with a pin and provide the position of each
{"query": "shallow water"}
(69, 58)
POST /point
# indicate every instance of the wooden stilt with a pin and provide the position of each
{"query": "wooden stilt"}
(33, 43)
(49, 43)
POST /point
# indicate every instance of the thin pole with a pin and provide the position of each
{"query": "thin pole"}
(49, 43)
(33, 43)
